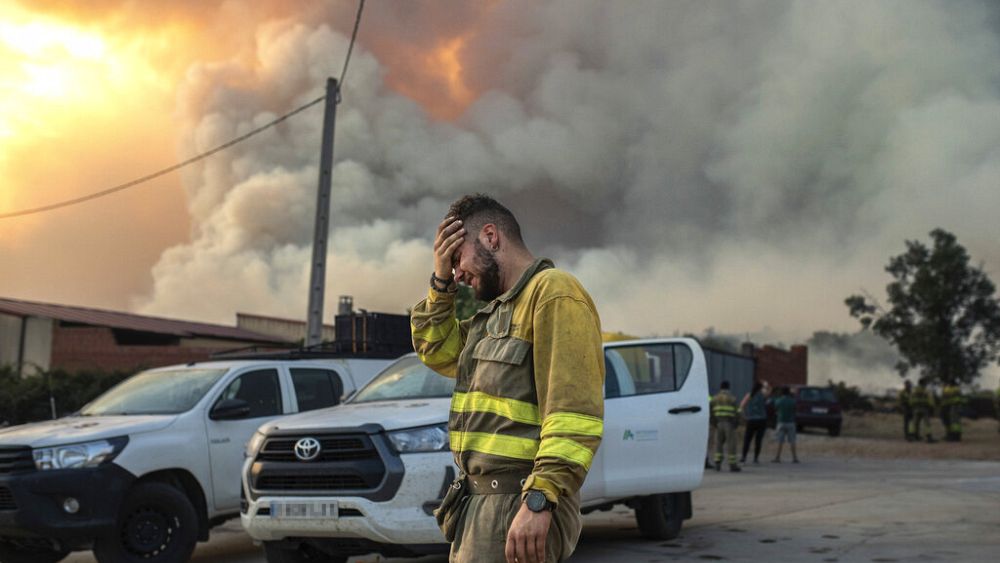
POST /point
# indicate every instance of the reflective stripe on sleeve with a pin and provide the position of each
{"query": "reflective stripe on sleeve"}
(572, 423)
(566, 449)
(477, 401)
(446, 351)
(495, 444)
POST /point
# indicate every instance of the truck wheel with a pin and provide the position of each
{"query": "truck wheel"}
(659, 517)
(279, 552)
(156, 524)
(10, 553)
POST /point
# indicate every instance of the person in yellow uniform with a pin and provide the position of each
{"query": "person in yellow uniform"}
(527, 412)
(922, 403)
(996, 407)
(951, 405)
(904, 407)
(725, 413)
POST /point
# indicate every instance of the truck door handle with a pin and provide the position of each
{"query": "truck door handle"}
(680, 410)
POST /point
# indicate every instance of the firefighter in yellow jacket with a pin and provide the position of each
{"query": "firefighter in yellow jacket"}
(951, 406)
(724, 415)
(527, 412)
(922, 403)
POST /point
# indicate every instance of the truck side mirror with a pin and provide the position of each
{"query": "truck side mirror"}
(230, 409)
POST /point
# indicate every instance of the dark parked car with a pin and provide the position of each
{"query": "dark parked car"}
(814, 407)
(817, 406)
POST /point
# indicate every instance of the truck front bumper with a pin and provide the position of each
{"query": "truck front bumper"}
(404, 519)
(33, 504)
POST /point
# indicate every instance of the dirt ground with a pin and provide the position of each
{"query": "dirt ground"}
(880, 436)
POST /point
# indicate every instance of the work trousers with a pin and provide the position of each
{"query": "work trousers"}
(755, 431)
(907, 419)
(920, 415)
(725, 435)
(483, 527)
(954, 427)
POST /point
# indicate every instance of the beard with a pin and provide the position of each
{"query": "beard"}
(489, 274)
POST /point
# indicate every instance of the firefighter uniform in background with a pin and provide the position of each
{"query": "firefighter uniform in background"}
(724, 413)
(951, 403)
(907, 410)
(922, 404)
(996, 407)
(527, 410)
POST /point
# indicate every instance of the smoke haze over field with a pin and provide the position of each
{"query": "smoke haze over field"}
(744, 166)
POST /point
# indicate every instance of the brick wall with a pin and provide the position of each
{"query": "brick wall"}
(88, 348)
(782, 367)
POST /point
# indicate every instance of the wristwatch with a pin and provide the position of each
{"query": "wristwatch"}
(536, 501)
(439, 284)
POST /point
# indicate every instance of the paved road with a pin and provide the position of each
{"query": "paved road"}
(821, 510)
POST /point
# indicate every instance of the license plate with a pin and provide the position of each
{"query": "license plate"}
(819, 410)
(295, 510)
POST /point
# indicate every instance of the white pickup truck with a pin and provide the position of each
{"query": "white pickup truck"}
(142, 472)
(366, 476)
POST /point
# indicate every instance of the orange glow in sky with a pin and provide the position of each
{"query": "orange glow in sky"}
(68, 85)
(439, 86)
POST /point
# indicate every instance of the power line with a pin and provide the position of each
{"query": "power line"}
(201, 156)
(159, 173)
(350, 48)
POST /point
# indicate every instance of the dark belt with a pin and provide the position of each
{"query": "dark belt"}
(495, 484)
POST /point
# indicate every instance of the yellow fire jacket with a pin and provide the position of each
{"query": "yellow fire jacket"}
(529, 370)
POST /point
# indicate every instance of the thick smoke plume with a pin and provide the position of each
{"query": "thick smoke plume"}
(710, 163)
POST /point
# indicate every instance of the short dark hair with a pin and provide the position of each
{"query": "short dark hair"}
(479, 209)
(724, 384)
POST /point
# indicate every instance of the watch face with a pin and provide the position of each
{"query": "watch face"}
(536, 501)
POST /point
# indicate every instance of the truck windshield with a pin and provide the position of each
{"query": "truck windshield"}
(155, 392)
(407, 378)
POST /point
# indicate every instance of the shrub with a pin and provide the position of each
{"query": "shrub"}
(27, 399)
(850, 397)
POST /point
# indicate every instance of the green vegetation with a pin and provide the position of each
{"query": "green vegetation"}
(27, 399)
(943, 318)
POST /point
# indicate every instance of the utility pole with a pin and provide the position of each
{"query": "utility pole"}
(317, 279)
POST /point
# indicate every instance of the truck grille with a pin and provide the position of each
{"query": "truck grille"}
(16, 458)
(7, 499)
(346, 462)
(332, 448)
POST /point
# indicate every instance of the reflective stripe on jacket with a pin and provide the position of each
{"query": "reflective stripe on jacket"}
(529, 370)
(951, 396)
(920, 398)
(724, 405)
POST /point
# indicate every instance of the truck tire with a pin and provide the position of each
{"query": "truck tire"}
(278, 552)
(156, 524)
(659, 517)
(10, 553)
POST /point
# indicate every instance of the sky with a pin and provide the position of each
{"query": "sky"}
(740, 167)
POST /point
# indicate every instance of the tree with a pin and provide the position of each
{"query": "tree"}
(944, 318)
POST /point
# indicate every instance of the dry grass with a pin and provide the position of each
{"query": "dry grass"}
(878, 435)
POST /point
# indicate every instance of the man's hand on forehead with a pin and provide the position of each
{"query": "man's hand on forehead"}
(450, 236)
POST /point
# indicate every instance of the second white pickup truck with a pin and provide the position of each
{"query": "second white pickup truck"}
(366, 476)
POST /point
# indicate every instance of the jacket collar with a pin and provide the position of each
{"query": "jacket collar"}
(538, 265)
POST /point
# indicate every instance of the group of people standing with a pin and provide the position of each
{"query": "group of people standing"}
(918, 405)
(726, 416)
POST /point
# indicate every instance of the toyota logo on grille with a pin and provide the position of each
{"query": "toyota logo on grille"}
(307, 449)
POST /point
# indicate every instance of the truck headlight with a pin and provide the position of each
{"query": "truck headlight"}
(423, 439)
(253, 446)
(73, 456)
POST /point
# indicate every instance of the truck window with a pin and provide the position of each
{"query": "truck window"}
(316, 388)
(260, 389)
(641, 369)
